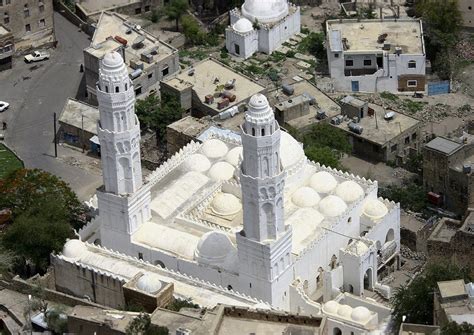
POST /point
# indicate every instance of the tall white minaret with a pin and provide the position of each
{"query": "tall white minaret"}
(124, 202)
(264, 244)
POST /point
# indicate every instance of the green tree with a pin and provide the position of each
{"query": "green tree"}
(141, 325)
(177, 304)
(42, 228)
(454, 328)
(415, 301)
(175, 10)
(410, 196)
(325, 135)
(323, 155)
(7, 260)
(56, 320)
(192, 31)
(314, 44)
(24, 188)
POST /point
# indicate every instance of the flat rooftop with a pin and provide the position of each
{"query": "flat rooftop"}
(73, 113)
(378, 130)
(443, 145)
(210, 76)
(190, 126)
(361, 36)
(92, 6)
(452, 288)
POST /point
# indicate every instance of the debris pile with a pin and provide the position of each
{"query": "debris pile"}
(409, 254)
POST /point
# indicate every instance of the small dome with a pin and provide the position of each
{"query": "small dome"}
(112, 60)
(349, 191)
(243, 25)
(197, 162)
(345, 311)
(149, 283)
(291, 152)
(226, 204)
(332, 206)
(214, 248)
(375, 209)
(305, 197)
(259, 110)
(360, 314)
(214, 148)
(221, 171)
(323, 182)
(234, 155)
(265, 11)
(358, 248)
(74, 249)
(331, 307)
(258, 101)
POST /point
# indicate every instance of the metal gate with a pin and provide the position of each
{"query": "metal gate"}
(440, 87)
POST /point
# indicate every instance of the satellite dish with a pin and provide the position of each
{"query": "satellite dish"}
(389, 115)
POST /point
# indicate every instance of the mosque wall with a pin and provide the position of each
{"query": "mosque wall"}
(242, 45)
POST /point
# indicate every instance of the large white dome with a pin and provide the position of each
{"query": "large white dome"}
(331, 307)
(214, 148)
(197, 162)
(243, 26)
(349, 191)
(265, 11)
(234, 155)
(323, 182)
(374, 209)
(332, 206)
(345, 311)
(149, 283)
(291, 151)
(305, 197)
(360, 314)
(221, 171)
(74, 249)
(214, 248)
(226, 204)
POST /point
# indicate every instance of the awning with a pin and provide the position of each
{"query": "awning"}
(94, 139)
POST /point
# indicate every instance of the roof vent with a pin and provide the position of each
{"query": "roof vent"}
(128, 31)
(138, 42)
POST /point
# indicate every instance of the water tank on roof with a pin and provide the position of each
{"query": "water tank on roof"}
(321, 115)
(466, 168)
(136, 73)
(355, 128)
(288, 89)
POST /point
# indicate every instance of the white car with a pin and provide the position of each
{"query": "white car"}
(37, 56)
(4, 106)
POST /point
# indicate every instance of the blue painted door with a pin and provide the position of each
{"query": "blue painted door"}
(355, 86)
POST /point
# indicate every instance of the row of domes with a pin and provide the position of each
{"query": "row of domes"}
(358, 314)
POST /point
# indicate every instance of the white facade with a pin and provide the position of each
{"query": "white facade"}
(261, 26)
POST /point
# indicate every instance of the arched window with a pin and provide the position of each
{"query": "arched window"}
(159, 263)
(390, 235)
(412, 64)
(337, 331)
(117, 89)
(229, 287)
(253, 131)
(106, 89)
(263, 131)
(126, 87)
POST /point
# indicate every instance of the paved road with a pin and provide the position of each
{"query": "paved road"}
(35, 92)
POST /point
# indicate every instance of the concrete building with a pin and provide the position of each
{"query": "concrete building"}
(211, 88)
(379, 135)
(7, 48)
(453, 301)
(182, 132)
(148, 59)
(376, 55)
(29, 21)
(417, 329)
(466, 7)
(90, 10)
(447, 173)
(261, 26)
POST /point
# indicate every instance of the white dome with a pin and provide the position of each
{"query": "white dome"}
(243, 25)
(345, 311)
(305, 197)
(226, 204)
(74, 249)
(291, 152)
(374, 209)
(221, 171)
(112, 60)
(265, 10)
(149, 283)
(358, 247)
(259, 110)
(360, 314)
(332, 206)
(331, 307)
(349, 191)
(197, 162)
(214, 248)
(214, 148)
(323, 182)
(234, 155)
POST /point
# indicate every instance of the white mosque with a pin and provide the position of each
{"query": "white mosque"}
(261, 25)
(248, 213)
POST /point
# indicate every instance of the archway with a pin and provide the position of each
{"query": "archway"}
(333, 262)
(319, 278)
(97, 241)
(337, 331)
(229, 287)
(159, 263)
(368, 285)
(390, 235)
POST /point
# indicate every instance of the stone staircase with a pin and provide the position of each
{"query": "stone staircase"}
(376, 296)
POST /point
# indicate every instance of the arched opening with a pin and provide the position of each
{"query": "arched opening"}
(333, 262)
(349, 220)
(368, 285)
(126, 86)
(263, 131)
(229, 287)
(106, 89)
(319, 278)
(351, 288)
(350, 241)
(159, 263)
(390, 235)
(337, 331)
(363, 233)
(97, 241)
(253, 131)
(412, 64)
(117, 89)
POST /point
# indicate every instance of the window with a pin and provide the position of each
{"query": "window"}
(150, 75)
(263, 132)
(106, 89)
(138, 10)
(117, 90)
(1, 2)
(147, 8)
(126, 86)
(28, 28)
(26, 11)
(393, 148)
(237, 49)
(412, 64)
(470, 7)
(6, 18)
(413, 137)
(7, 2)
(140, 255)
(42, 23)
(407, 140)
(336, 55)
(367, 62)
(412, 83)
(165, 71)
(349, 62)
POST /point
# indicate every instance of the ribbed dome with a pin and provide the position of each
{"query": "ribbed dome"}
(374, 209)
(226, 204)
(265, 10)
(345, 311)
(234, 155)
(259, 110)
(332, 206)
(197, 162)
(291, 152)
(112, 60)
(349, 191)
(149, 283)
(323, 182)
(305, 197)
(243, 25)
(360, 314)
(221, 171)
(214, 248)
(331, 307)
(74, 249)
(214, 148)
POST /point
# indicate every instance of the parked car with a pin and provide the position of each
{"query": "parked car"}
(4, 106)
(37, 56)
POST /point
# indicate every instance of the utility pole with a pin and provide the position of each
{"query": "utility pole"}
(55, 138)
(29, 306)
(82, 132)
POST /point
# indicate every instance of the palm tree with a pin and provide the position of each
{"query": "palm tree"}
(175, 10)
